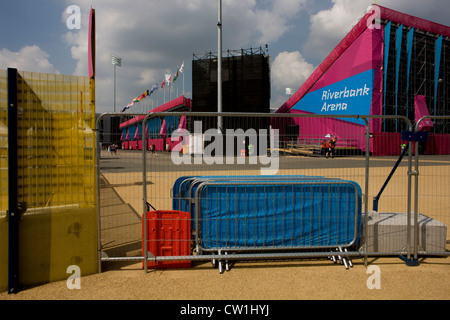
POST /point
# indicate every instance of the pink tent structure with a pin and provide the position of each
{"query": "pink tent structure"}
(421, 110)
(163, 130)
(182, 125)
(355, 77)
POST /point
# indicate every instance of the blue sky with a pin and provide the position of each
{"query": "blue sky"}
(154, 37)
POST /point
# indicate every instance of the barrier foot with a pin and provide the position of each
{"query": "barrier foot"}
(343, 259)
(220, 263)
(347, 262)
(227, 264)
(412, 262)
(350, 263)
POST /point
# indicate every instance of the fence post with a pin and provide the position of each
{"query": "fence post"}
(410, 137)
(366, 191)
(144, 194)
(13, 193)
(416, 194)
(97, 171)
(416, 184)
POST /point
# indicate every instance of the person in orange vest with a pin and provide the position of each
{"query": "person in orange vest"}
(324, 147)
(332, 145)
(327, 148)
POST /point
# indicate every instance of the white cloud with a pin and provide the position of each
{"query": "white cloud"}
(274, 22)
(29, 58)
(290, 70)
(153, 38)
(329, 27)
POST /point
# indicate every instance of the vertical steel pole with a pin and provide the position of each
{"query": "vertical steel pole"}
(144, 195)
(416, 195)
(114, 88)
(366, 195)
(97, 170)
(408, 232)
(219, 65)
(13, 190)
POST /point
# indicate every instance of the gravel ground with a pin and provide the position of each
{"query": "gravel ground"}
(270, 280)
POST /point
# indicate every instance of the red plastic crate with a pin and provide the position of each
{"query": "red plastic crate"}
(168, 234)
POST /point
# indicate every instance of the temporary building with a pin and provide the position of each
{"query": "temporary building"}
(391, 64)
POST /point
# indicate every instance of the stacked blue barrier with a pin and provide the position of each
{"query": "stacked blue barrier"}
(270, 212)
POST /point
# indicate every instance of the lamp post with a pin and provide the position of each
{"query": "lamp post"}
(116, 61)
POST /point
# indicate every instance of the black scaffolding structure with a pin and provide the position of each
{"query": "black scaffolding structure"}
(245, 85)
(399, 97)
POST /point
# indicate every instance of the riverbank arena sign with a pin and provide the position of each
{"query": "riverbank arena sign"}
(347, 97)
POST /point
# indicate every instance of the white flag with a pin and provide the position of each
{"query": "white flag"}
(168, 77)
(182, 67)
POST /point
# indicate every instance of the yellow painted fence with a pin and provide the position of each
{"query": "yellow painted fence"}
(56, 177)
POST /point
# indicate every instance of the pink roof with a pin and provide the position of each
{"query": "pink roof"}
(415, 22)
(358, 29)
(181, 100)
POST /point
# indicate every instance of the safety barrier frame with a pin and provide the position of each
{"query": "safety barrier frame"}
(411, 246)
(415, 173)
(198, 239)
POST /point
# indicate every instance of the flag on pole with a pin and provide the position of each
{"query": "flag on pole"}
(137, 99)
(182, 71)
(168, 78)
(175, 76)
(145, 94)
(155, 87)
(163, 83)
(142, 96)
(128, 106)
(182, 67)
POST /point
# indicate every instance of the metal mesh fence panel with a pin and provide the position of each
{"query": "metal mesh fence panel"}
(276, 146)
(120, 198)
(432, 203)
